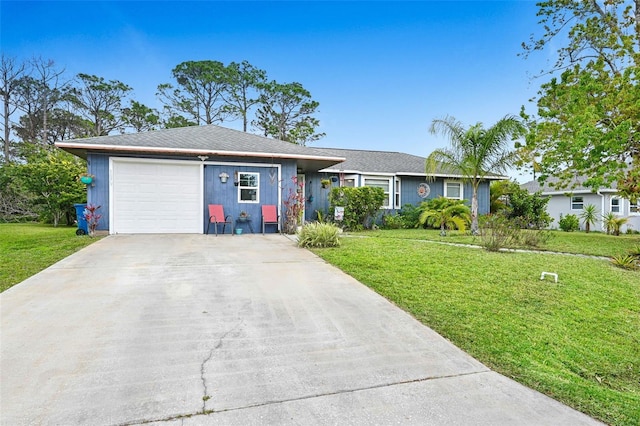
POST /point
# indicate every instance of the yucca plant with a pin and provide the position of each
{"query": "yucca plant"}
(626, 261)
(319, 235)
(589, 216)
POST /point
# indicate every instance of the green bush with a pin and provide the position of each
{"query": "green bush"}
(444, 213)
(569, 223)
(319, 235)
(361, 205)
(392, 221)
(529, 209)
(410, 215)
(498, 231)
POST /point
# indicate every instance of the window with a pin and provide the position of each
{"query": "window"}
(383, 183)
(397, 200)
(615, 205)
(635, 208)
(453, 190)
(577, 203)
(248, 187)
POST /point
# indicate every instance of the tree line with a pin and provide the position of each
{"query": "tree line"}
(42, 105)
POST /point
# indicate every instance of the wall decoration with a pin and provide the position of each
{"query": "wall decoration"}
(424, 190)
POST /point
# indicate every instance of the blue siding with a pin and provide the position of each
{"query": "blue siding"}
(98, 192)
(408, 193)
(320, 201)
(215, 192)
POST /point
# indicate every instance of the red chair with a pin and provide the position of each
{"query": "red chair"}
(270, 216)
(216, 216)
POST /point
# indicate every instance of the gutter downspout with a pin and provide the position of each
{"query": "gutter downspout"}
(602, 228)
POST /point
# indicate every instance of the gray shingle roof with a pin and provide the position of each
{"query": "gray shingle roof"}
(398, 163)
(376, 161)
(209, 139)
(575, 187)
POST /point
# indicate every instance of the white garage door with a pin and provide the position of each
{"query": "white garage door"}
(156, 197)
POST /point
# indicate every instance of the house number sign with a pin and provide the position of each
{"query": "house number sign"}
(423, 190)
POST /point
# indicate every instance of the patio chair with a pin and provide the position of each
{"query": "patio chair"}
(269, 216)
(216, 216)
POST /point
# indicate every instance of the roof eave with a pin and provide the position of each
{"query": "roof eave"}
(76, 148)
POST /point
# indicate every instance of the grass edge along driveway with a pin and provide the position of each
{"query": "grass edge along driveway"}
(577, 341)
(28, 248)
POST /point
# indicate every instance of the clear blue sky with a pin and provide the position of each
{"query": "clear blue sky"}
(382, 71)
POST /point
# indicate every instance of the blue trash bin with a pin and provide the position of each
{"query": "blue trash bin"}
(82, 222)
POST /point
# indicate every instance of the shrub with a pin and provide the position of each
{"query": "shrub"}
(393, 221)
(410, 215)
(534, 237)
(626, 261)
(498, 231)
(444, 213)
(319, 235)
(569, 223)
(361, 205)
(530, 209)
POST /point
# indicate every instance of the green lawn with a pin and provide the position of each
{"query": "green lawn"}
(26, 249)
(593, 243)
(577, 341)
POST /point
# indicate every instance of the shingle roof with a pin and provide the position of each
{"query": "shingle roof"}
(388, 162)
(211, 139)
(576, 187)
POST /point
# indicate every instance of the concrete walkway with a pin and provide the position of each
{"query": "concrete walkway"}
(195, 330)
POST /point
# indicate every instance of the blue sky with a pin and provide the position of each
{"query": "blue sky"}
(382, 71)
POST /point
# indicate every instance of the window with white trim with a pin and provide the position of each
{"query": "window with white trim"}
(453, 190)
(385, 184)
(634, 209)
(248, 187)
(577, 202)
(397, 198)
(615, 205)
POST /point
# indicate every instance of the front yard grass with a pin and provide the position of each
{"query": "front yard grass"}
(27, 248)
(577, 341)
(593, 243)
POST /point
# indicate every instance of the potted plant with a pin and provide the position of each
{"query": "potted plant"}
(325, 183)
(86, 178)
(243, 216)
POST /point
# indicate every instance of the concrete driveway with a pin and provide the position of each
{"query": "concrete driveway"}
(195, 329)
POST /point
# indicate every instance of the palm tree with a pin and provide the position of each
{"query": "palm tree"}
(617, 224)
(609, 220)
(613, 223)
(445, 213)
(589, 216)
(474, 152)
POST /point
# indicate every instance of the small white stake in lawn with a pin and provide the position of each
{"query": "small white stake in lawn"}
(553, 274)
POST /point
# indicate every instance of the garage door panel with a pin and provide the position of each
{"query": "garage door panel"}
(156, 198)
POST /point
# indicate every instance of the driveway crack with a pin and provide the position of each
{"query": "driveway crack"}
(218, 345)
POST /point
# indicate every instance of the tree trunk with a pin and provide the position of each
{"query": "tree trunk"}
(474, 210)
(7, 130)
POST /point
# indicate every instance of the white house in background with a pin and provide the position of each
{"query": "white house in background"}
(572, 201)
